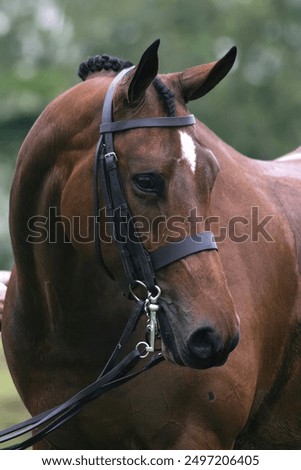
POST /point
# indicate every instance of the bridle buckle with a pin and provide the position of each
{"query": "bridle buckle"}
(111, 155)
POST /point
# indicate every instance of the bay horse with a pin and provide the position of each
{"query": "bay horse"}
(230, 319)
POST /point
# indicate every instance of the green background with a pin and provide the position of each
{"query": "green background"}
(256, 108)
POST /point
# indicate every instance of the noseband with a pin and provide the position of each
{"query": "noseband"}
(138, 264)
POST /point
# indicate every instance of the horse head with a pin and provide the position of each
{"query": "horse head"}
(168, 176)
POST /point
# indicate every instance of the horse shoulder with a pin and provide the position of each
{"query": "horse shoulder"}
(283, 177)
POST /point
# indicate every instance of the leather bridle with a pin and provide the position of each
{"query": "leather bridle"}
(138, 263)
(139, 267)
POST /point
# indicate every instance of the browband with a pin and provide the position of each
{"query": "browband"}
(173, 121)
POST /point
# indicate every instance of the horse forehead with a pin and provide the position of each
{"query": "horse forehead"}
(188, 150)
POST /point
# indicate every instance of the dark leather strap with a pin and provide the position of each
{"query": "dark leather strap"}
(113, 375)
(107, 110)
(96, 207)
(173, 121)
(135, 259)
(104, 146)
(172, 252)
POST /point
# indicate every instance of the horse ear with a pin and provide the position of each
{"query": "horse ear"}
(144, 73)
(197, 81)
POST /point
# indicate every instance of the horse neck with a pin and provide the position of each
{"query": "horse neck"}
(61, 289)
(236, 170)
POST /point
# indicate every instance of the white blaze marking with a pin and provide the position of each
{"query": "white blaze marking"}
(188, 150)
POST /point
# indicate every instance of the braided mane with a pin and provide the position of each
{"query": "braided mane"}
(98, 63)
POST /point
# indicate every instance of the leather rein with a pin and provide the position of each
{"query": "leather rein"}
(139, 267)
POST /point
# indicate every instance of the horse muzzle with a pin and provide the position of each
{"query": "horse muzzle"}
(201, 349)
(206, 349)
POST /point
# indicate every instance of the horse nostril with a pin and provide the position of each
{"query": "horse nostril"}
(204, 343)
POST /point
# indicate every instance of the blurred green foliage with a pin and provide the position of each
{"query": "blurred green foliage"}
(12, 410)
(256, 109)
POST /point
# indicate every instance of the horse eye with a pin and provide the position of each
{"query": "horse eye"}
(149, 182)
